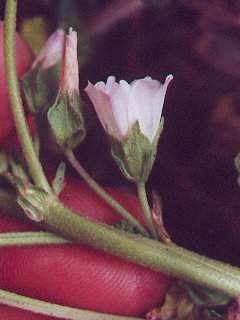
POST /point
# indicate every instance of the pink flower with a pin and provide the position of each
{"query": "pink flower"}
(120, 105)
(52, 51)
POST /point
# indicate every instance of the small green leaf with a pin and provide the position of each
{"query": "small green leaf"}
(58, 181)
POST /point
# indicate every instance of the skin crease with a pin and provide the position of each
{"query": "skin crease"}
(24, 61)
(79, 276)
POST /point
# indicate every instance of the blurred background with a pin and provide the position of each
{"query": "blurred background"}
(199, 43)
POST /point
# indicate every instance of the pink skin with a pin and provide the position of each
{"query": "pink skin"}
(79, 276)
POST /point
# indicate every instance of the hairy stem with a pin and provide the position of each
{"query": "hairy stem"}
(103, 194)
(54, 310)
(34, 165)
(146, 209)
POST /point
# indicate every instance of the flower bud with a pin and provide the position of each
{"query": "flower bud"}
(51, 53)
(131, 116)
(40, 84)
(65, 116)
(52, 87)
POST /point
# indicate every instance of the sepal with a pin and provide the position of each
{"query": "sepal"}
(40, 87)
(66, 122)
(135, 155)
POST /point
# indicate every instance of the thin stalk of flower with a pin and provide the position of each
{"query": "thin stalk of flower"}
(103, 194)
(28, 238)
(146, 209)
(54, 310)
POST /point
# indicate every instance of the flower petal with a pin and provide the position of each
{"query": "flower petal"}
(141, 104)
(101, 85)
(103, 107)
(146, 103)
(119, 95)
(111, 84)
(52, 51)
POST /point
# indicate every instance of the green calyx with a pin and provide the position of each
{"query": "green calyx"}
(66, 121)
(136, 154)
(40, 87)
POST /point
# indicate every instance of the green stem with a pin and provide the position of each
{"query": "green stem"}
(34, 165)
(8, 239)
(103, 194)
(169, 259)
(54, 310)
(146, 209)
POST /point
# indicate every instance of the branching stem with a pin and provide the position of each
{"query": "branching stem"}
(103, 194)
(146, 209)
